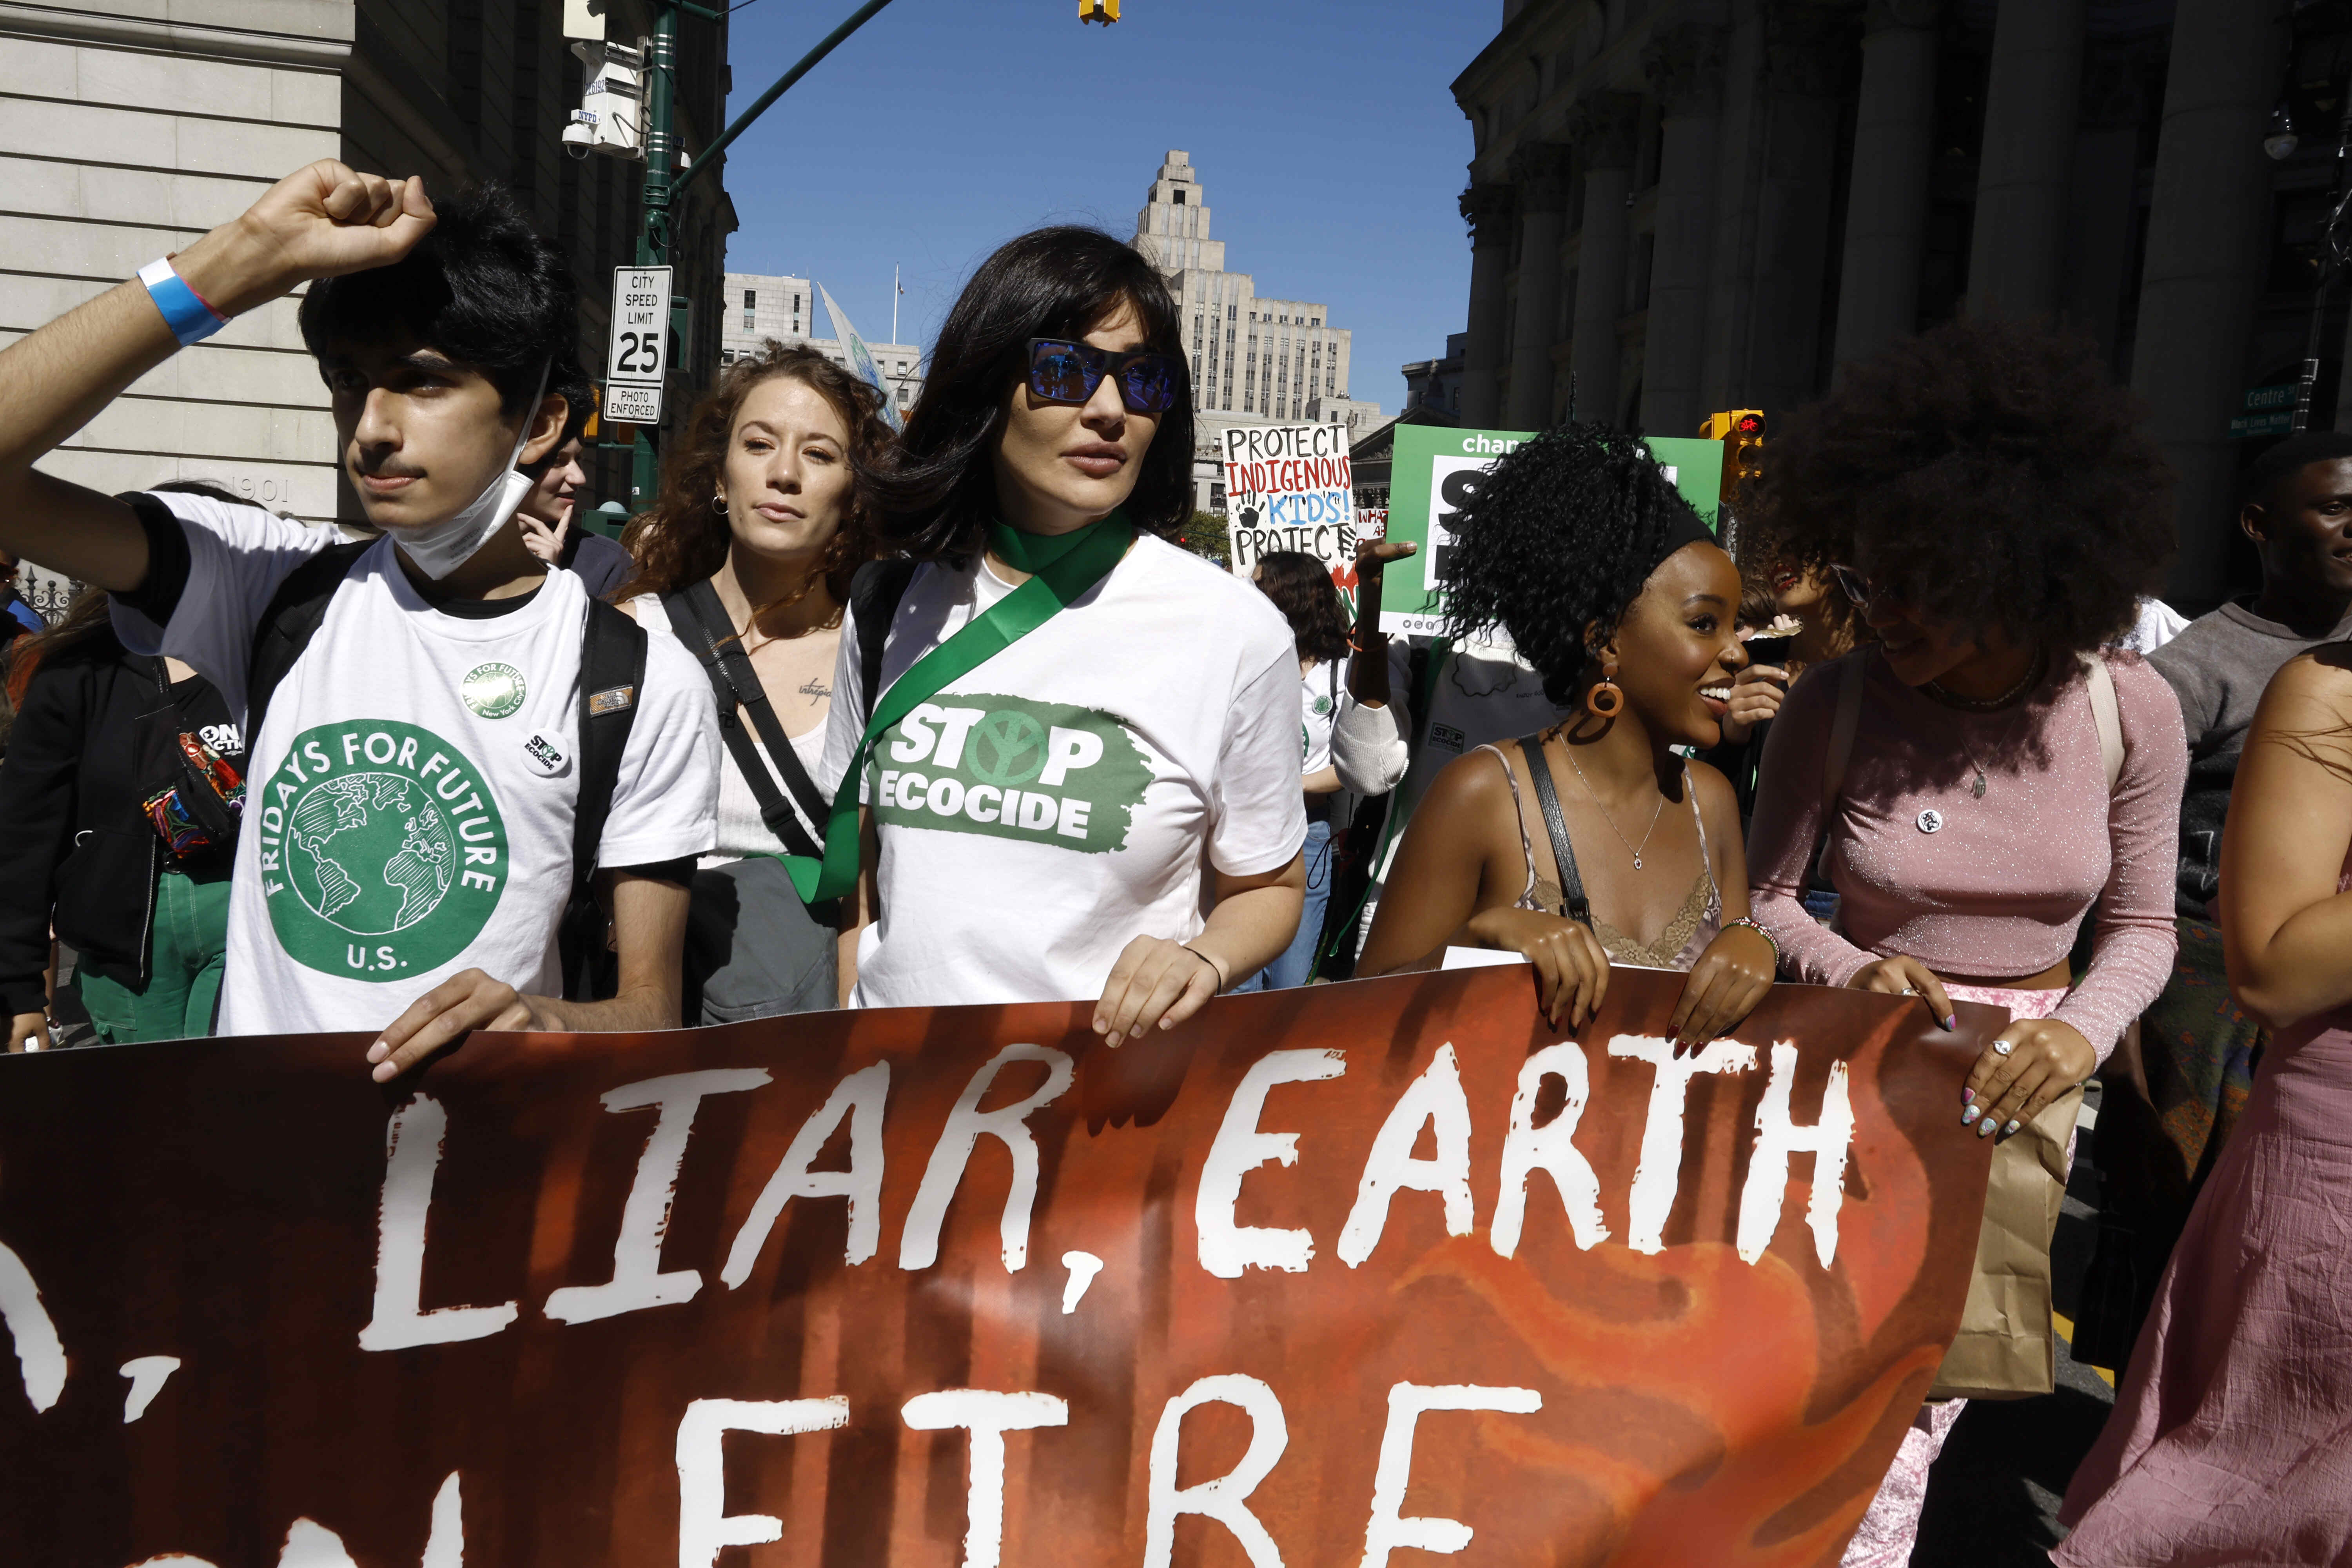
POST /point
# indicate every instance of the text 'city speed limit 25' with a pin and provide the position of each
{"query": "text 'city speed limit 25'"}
(636, 357)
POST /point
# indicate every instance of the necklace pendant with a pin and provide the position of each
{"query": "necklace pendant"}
(1979, 788)
(1637, 862)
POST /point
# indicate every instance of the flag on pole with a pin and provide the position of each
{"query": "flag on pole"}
(861, 359)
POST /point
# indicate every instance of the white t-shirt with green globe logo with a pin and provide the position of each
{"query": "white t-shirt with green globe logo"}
(410, 799)
(1070, 794)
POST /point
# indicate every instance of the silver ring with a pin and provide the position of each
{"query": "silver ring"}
(2002, 1048)
(1906, 991)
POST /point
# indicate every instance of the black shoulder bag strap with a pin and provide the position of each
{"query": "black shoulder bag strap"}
(874, 595)
(1563, 854)
(611, 675)
(702, 625)
(286, 627)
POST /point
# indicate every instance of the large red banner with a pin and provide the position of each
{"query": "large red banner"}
(1364, 1274)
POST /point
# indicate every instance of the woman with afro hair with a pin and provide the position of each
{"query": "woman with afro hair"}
(1988, 769)
(1579, 547)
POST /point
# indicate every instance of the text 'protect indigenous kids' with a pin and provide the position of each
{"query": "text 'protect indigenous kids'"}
(444, 736)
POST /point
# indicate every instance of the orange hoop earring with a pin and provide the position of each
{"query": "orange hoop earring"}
(1607, 698)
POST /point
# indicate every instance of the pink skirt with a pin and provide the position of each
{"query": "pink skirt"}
(2231, 1437)
(1885, 1537)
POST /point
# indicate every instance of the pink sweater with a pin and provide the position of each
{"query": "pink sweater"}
(2000, 887)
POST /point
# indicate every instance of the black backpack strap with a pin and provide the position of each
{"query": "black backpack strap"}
(611, 678)
(1563, 854)
(701, 623)
(286, 625)
(874, 595)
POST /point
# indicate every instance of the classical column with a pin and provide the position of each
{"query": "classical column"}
(1886, 207)
(1774, 363)
(2019, 232)
(1684, 68)
(1539, 172)
(1489, 208)
(1603, 129)
(2206, 232)
(2101, 190)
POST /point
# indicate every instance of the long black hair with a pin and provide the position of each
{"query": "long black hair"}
(1302, 589)
(1557, 542)
(935, 491)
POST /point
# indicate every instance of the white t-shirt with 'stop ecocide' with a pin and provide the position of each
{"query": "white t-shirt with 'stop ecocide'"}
(409, 801)
(1072, 793)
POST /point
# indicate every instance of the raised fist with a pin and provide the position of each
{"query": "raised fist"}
(321, 221)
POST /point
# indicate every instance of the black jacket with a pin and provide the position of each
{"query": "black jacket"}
(78, 849)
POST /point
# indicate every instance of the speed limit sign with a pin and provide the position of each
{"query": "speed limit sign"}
(637, 358)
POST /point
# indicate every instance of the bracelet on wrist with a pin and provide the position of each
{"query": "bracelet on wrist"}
(1214, 967)
(189, 314)
(1749, 924)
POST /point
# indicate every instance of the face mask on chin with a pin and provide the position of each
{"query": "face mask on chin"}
(440, 548)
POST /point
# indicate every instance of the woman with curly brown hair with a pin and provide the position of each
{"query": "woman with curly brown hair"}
(1985, 771)
(746, 559)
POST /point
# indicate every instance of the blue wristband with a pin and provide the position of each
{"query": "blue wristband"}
(184, 311)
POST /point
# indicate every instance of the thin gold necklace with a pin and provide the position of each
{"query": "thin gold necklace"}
(1631, 847)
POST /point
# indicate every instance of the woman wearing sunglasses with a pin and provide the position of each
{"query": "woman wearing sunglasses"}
(1082, 779)
(1984, 772)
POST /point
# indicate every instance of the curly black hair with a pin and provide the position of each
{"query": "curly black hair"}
(1302, 589)
(1555, 544)
(1996, 476)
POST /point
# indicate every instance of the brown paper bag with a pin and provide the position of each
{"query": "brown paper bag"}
(2004, 1348)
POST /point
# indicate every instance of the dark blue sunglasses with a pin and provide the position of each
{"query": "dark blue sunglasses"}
(1064, 371)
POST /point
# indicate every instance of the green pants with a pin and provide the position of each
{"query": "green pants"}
(186, 943)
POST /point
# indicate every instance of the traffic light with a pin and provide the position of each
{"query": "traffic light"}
(1102, 11)
(1742, 431)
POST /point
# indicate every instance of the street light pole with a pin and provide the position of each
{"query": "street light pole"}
(661, 192)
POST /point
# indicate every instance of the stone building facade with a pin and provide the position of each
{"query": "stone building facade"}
(1250, 354)
(128, 129)
(1694, 205)
(760, 308)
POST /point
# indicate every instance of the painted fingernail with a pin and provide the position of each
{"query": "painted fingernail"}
(1968, 1096)
(1951, 1022)
(378, 1051)
(1968, 1116)
(2011, 1129)
(1984, 1128)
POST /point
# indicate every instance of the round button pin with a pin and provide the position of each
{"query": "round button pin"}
(1930, 821)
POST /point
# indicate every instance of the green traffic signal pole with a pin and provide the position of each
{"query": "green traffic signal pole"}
(661, 193)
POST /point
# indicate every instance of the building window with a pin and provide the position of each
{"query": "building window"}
(1180, 197)
(1229, 315)
(747, 320)
(750, 299)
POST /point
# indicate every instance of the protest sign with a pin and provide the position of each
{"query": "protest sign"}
(1289, 487)
(1319, 1276)
(1435, 471)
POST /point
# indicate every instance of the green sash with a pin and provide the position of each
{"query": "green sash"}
(1062, 567)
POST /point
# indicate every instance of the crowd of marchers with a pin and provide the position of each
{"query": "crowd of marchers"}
(851, 718)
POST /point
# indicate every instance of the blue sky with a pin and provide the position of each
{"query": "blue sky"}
(1330, 146)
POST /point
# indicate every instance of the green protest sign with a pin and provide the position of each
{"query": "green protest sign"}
(1436, 471)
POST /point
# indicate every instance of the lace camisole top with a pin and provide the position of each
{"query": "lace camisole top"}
(1686, 936)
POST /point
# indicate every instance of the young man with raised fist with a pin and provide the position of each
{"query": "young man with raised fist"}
(445, 740)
